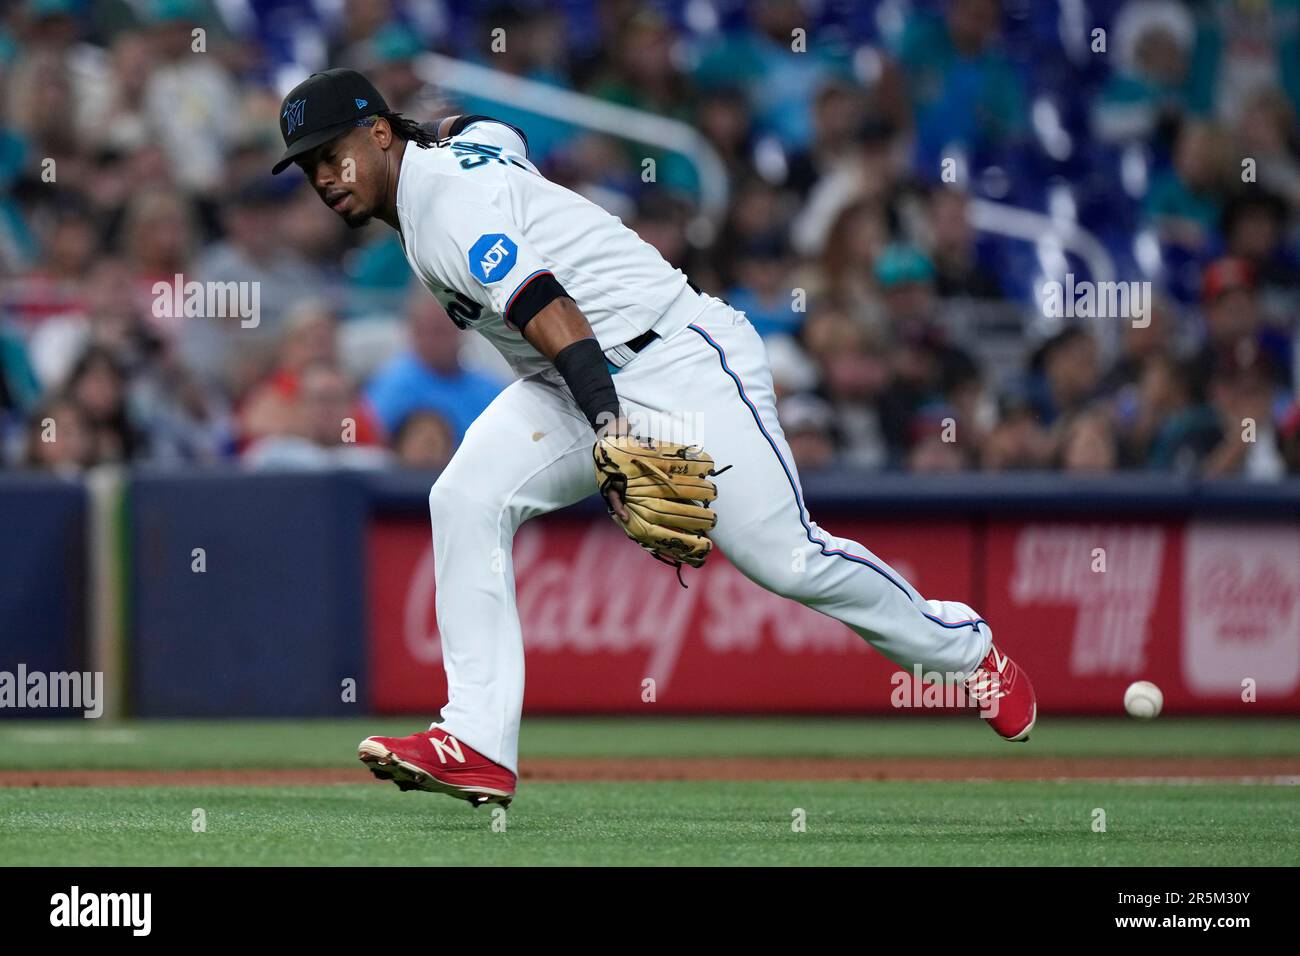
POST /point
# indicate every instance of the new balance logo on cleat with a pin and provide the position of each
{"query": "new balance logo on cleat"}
(447, 745)
(1005, 696)
(436, 762)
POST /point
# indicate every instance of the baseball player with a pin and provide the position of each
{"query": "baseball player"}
(616, 355)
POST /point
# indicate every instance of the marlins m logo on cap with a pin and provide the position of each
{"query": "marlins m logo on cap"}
(293, 115)
(339, 98)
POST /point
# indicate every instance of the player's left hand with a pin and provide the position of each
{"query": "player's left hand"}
(658, 492)
(613, 491)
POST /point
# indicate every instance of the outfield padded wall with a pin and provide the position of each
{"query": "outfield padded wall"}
(312, 580)
(42, 576)
(1090, 584)
(273, 623)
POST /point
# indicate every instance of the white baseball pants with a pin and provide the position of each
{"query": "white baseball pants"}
(529, 453)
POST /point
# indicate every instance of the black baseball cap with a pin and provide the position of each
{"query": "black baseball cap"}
(323, 106)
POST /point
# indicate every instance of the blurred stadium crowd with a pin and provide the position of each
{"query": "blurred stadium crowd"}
(901, 336)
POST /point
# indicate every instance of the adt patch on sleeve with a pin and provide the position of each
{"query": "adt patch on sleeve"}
(492, 257)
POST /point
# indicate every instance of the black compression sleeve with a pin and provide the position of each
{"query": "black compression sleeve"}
(530, 298)
(583, 366)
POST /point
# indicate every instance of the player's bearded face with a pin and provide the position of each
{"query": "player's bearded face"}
(348, 175)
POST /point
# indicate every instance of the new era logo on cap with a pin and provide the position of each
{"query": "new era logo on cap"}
(361, 104)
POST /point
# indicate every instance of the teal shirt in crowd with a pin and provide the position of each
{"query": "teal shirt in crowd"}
(779, 83)
(968, 99)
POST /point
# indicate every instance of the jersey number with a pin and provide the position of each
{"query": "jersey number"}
(462, 309)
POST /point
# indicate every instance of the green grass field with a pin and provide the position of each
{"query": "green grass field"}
(650, 823)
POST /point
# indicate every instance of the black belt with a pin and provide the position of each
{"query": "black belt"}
(619, 355)
(641, 341)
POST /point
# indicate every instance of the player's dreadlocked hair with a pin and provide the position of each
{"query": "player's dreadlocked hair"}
(408, 129)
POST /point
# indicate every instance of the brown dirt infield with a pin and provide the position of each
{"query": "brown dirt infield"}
(615, 769)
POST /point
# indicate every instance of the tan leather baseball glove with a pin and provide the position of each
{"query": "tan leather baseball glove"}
(665, 490)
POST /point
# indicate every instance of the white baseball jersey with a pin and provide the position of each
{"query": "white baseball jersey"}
(479, 222)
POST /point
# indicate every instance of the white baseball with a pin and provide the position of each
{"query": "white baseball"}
(1143, 699)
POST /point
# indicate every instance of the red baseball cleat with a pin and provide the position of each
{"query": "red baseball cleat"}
(435, 761)
(1005, 696)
